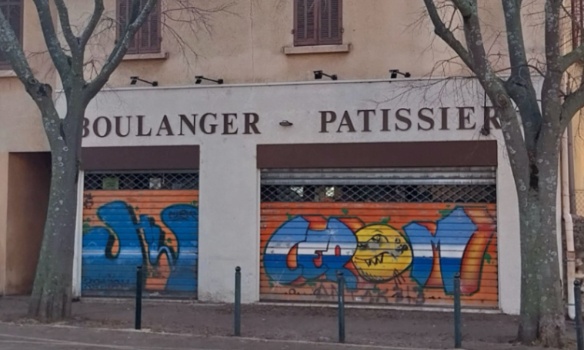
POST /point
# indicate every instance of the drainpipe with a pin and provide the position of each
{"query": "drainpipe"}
(568, 226)
(573, 208)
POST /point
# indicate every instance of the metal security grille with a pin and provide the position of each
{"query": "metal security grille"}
(380, 193)
(399, 236)
(141, 181)
(461, 185)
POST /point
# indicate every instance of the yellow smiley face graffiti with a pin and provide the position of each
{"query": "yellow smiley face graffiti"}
(382, 253)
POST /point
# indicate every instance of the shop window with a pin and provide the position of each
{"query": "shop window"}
(577, 22)
(12, 10)
(147, 38)
(318, 22)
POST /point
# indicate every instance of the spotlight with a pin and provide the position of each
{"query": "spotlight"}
(199, 79)
(395, 72)
(318, 75)
(135, 79)
(285, 123)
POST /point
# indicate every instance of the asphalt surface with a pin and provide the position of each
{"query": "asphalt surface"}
(43, 337)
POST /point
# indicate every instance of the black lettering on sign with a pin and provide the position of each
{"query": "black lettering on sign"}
(85, 127)
(251, 120)
(228, 128)
(141, 127)
(346, 121)
(324, 120)
(385, 119)
(184, 120)
(464, 118)
(425, 115)
(119, 126)
(165, 125)
(403, 115)
(203, 125)
(96, 126)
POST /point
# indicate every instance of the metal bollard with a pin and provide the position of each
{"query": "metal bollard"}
(237, 305)
(457, 313)
(578, 318)
(138, 315)
(341, 293)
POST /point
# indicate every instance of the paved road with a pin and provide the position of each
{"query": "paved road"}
(41, 337)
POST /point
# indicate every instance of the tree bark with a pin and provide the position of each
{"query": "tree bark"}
(51, 297)
(542, 318)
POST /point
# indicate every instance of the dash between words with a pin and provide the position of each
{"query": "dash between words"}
(361, 120)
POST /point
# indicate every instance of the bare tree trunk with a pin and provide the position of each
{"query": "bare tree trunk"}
(542, 317)
(551, 320)
(529, 228)
(51, 297)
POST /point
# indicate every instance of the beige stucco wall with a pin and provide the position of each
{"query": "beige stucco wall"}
(245, 43)
(21, 129)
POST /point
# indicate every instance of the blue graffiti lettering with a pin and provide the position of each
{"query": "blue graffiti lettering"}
(319, 252)
(112, 252)
(453, 233)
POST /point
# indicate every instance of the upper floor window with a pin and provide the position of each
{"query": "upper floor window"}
(147, 38)
(12, 10)
(318, 22)
(577, 22)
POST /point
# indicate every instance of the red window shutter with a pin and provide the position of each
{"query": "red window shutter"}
(155, 25)
(577, 22)
(124, 14)
(330, 22)
(13, 12)
(305, 26)
(150, 32)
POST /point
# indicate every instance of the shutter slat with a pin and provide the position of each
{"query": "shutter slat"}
(147, 38)
(305, 22)
(154, 30)
(330, 22)
(417, 176)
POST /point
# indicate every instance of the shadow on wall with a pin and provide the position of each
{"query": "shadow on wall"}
(29, 176)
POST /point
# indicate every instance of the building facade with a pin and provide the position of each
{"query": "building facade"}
(343, 138)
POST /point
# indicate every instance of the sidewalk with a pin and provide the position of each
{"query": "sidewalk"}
(210, 326)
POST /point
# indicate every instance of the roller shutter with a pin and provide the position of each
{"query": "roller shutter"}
(399, 236)
(140, 219)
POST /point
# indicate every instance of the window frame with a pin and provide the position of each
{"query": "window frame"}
(317, 41)
(4, 64)
(141, 50)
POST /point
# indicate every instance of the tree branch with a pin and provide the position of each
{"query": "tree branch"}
(519, 85)
(66, 26)
(572, 104)
(571, 57)
(475, 57)
(39, 92)
(93, 22)
(446, 34)
(550, 99)
(60, 59)
(474, 38)
(120, 49)
(12, 50)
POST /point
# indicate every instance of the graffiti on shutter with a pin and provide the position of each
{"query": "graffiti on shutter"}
(394, 253)
(156, 229)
